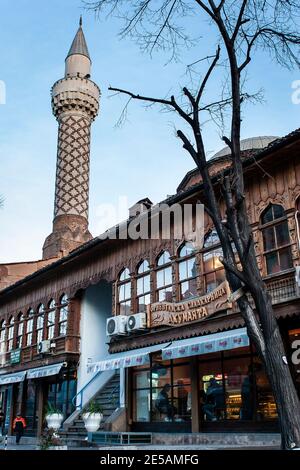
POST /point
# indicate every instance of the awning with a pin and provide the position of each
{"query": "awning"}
(46, 371)
(136, 357)
(207, 344)
(12, 378)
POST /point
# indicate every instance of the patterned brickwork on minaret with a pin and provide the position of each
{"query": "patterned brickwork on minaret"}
(72, 171)
(75, 104)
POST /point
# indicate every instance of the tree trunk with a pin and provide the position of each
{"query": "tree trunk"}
(286, 398)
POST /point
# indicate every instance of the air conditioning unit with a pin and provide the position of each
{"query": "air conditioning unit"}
(44, 346)
(116, 325)
(137, 322)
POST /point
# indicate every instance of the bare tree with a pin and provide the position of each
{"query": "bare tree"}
(242, 27)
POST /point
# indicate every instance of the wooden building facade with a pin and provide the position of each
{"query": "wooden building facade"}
(197, 369)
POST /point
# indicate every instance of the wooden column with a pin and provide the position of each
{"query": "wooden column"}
(40, 407)
(195, 395)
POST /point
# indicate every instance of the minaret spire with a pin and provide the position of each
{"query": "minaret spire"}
(75, 104)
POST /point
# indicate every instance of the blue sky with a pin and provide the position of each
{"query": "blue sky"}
(142, 158)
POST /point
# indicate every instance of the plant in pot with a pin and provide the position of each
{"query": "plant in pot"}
(54, 417)
(92, 416)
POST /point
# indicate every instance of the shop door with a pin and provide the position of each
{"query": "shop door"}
(30, 411)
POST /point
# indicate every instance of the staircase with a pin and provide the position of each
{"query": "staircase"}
(108, 399)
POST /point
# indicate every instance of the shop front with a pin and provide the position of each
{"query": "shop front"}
(33, 390)
(185, 389)
(214, 383)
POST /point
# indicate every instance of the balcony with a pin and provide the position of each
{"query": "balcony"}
(283, 289)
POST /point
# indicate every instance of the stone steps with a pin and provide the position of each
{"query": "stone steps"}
(108, 399)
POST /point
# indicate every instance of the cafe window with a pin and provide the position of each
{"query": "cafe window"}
(61, 391)
(2, 338)
(162, 391)
(40, 323)
(63, 315)
(213, 270)
(10, 334)
(20, 330)
(188, 272)
(164, 286)
(29, 327)
(234, 386)
(143, 286)
(51, 319)
(124, 292)
(276, 239)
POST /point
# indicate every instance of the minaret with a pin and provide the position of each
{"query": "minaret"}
(75, 104)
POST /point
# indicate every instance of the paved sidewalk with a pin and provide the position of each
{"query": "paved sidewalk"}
(147, 447)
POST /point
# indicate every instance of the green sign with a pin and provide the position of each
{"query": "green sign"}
(15, 356)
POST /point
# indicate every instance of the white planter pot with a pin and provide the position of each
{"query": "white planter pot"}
(54, 421)
(92, 421)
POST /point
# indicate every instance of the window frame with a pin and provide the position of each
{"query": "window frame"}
(162, 268)
(10, 334)
(184, 259)
(63, 315)
(277, 249)
(3, 337)
(40, 328)
(20, 330)
(212, 248)
(141, 276)
(51, 310)
(121, 283)
(29, 327)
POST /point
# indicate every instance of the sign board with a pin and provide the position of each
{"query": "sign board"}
(193, 310)
(15, 356)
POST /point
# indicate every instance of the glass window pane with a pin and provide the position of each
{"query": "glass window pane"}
(278, 211)
(165, 295)
(160, 278)
(240, 391)
(285, 258)
(162, 406)
(125, 308)
(182, 270)
(141, 406)
(187, 249)
(140, 286)
(220, 276)
(266, 407)
(127, 290)
(272, 263)
(210, 282)
(191, 267)
(121, 293)
(182, 401)
(164, 258)
(125, 274)
(141, 379)
(212, 398)
(147, 283)
(267, 215)
(269, 238)
(168, 275)
(282, 234)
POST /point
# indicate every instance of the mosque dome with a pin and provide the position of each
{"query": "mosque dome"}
(252, 143)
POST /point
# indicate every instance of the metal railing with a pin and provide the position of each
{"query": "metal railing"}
(81, 392)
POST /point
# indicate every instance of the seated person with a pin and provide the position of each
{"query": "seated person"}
(215, 402)
(162, 402)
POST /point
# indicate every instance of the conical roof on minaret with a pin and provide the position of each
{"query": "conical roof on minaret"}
(79, 45)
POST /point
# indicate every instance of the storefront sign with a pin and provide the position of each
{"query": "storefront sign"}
(15, 356)
(175, 314)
